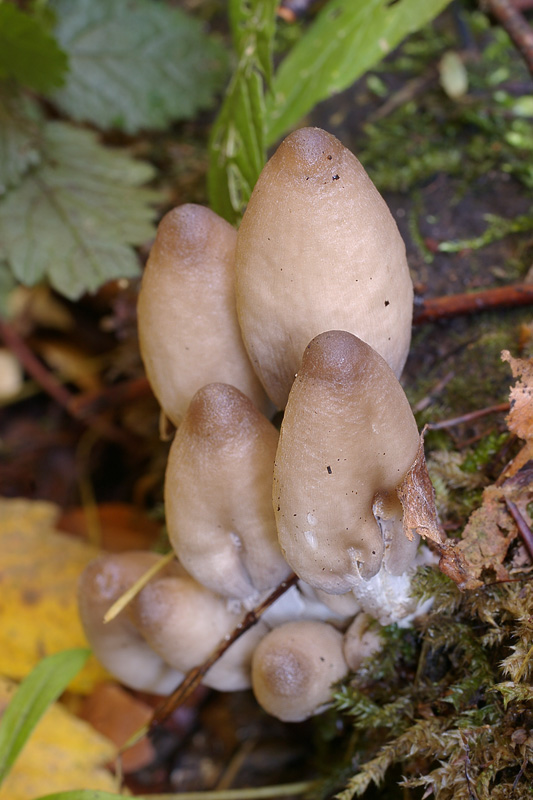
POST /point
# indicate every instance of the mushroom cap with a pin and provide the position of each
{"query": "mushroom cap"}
(348, 438)
(187, 319)
(184, 622)
(218, 494)
(318, 249)
(294, 666)
(118, 645)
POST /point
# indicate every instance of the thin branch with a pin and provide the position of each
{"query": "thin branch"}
(455, 305)
(54, 388)
(523, 528)
(469, 417)
(194, 677)
(516, 25)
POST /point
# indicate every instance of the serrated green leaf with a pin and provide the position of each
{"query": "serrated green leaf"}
(238, 145)
(42, 687)
(347, 38)
(7, 284)
(73, 219)
(28, 53)
(19, 138)
(135, 64)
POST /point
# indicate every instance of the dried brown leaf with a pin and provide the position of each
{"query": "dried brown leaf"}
(417, 497)
(520, 419)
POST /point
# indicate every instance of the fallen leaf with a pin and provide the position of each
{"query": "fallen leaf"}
(39, 570)
(520, 419)
(117, 714)
(122, 527)
(417, 497)
(63, 753)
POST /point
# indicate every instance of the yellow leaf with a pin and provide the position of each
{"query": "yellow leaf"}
(63, 753)
(39, 570)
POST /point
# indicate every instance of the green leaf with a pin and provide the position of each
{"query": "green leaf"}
(135, 64)
(84, 794)
(73, 219)
(347, 38)
(43, 685)
(238, 145)
(19, 138)
(28, 53)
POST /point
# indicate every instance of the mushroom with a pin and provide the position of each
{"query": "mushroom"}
(318, 249)
(361, 641)
(294, 666)
(218, 495)
(347, 440)
(118, 645)
(183, 622)
(187, 320)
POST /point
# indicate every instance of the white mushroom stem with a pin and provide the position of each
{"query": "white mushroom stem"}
(294, 667)
(361, 641)
(318, 249)
(218, 495)
(347, 440)
(187, 319)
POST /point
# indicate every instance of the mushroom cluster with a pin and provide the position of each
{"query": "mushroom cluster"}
(307, 309)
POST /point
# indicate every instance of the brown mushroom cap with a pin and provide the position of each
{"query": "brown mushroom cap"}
(188, 329)
(318, 249)
(294, 666)
(347, 439)
(218, 494)
(118, 645)
(184, 622)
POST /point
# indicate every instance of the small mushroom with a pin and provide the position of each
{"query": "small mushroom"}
(183, 622)
(318, 249)
(361, 641)
(218, 495)
(347, 440)
(294, 667)
(187, 320)
(118, 645)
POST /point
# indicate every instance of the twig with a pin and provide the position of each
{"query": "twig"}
(91, 403)
(455, 305)
(516, 25)
(126, 598)
(469, 417)
(523, 528)
(195, 675)
(52, 386)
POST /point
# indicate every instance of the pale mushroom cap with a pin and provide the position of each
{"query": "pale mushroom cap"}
(218, 494)
(318, 249)
(118, 645)
(184, 622)
(348, 435)
(188, 329)
(294, 667)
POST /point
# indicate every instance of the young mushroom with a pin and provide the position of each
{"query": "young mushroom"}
(347, 440)
(187, 320)
(294, 667)
(318, 249)
(218, 495)
(118, 645)
(183, 622)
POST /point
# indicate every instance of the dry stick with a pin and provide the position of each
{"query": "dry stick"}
(523, 528)
(454, 305)
(516, 26)
(51, 385)
(469, 417)
(193, 678)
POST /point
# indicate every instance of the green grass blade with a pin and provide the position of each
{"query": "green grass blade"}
(43, 685)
